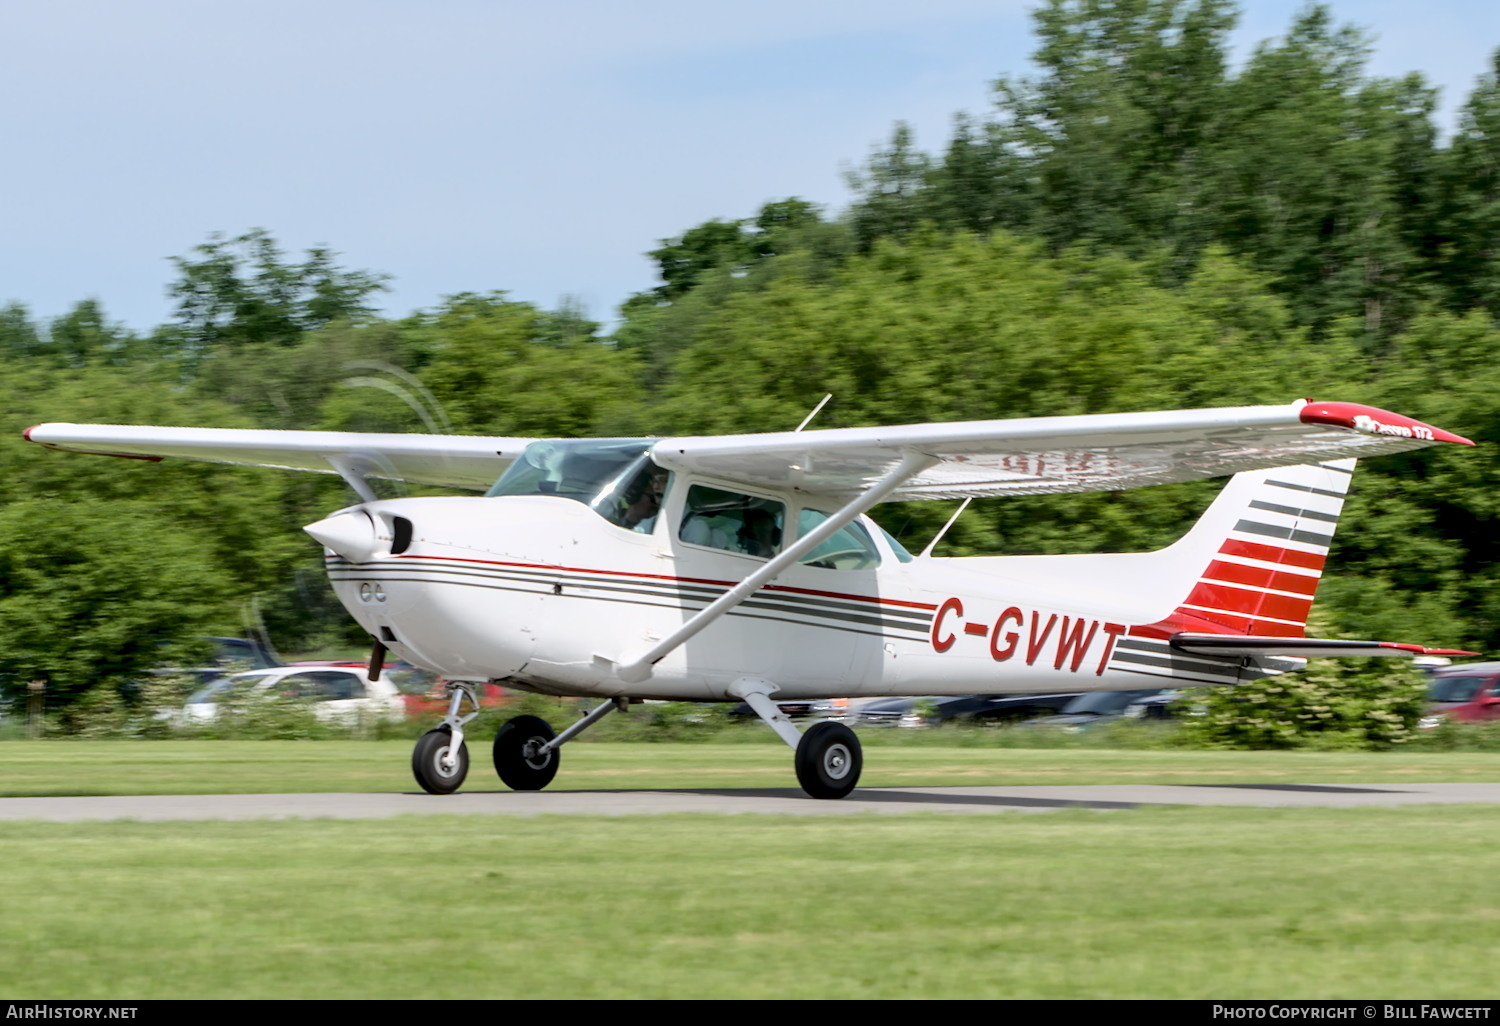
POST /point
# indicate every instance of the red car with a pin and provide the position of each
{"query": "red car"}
(1468, 693)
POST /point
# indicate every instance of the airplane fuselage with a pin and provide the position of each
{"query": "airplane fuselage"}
(543, 592)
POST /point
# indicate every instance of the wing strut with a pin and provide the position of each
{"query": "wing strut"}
(637, 668)
(350, 471)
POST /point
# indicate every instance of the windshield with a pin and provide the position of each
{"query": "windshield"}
(1454, 689)
(612, 476)
(1103, 703)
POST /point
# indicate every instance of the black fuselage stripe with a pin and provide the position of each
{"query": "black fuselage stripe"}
(1231, 672)
(641, 598)
(1205, 663)
(1167, 676)
(674, 588)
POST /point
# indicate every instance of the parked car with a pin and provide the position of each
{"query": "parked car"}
(229, 655)
(1099, 707)
(922, 712)
(337, 693)
(1466, 693)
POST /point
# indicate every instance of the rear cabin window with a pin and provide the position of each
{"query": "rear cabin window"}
(848, 548)
(719, 519)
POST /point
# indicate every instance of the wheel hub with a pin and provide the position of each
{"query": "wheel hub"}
(836, 762)
(530, 750)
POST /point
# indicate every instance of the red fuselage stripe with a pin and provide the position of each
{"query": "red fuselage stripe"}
(678, 580)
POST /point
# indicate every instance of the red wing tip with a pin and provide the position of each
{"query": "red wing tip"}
(1421, 650)
(27, 433)
(1374, 421)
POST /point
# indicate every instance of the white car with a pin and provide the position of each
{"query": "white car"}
(337, 694)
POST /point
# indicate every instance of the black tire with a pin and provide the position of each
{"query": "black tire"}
(829, 760)
(517, 770)
(427, 766)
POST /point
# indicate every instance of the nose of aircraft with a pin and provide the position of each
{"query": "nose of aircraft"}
(351, 534)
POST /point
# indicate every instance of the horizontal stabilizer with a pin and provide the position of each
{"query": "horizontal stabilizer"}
(1303, 648)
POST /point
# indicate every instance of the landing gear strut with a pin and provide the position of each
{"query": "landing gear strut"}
(829, 757)
(440, 762)
(526, 749)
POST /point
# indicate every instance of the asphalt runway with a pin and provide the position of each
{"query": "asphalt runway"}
(778, 801)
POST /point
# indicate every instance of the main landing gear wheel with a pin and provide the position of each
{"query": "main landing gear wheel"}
(427, 763)
(828, 760)
(516, 758)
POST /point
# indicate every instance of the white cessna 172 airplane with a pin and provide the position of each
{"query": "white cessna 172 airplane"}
(743, 566)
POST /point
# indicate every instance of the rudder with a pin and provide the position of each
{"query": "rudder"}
(1259, 550)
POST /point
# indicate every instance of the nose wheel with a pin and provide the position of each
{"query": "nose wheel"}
(440, 766)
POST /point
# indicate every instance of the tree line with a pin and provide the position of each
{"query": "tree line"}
(1135, 228)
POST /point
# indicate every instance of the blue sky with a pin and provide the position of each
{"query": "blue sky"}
(475, 145)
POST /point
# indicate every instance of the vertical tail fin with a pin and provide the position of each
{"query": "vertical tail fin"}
(1248, 571)
(1259, 550)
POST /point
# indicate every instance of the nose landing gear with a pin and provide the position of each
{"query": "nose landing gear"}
(440, 762)
(526, 750)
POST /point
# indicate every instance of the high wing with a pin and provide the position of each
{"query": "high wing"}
(452, 461)
(1023, 456)
(1040, 455)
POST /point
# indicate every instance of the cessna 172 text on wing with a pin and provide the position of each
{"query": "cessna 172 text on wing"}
(743, 566)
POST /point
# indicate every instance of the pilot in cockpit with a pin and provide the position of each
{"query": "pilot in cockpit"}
(640, 513)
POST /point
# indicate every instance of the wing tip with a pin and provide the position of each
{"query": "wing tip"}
(1423, 650)
(1372, 420)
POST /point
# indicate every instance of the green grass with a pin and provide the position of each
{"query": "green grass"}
(1151, 902)
(254, 767)
(1161, 903)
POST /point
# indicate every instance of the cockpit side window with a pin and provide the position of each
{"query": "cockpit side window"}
(614, 477)
(720, 519)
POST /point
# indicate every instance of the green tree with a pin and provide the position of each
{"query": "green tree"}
(506, 368)
(94, 594)
(243, 291)
(1333, 704)
(1469, 263)
(892, 190)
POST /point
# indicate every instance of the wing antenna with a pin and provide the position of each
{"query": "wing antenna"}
(807, 419)
(951, 521)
